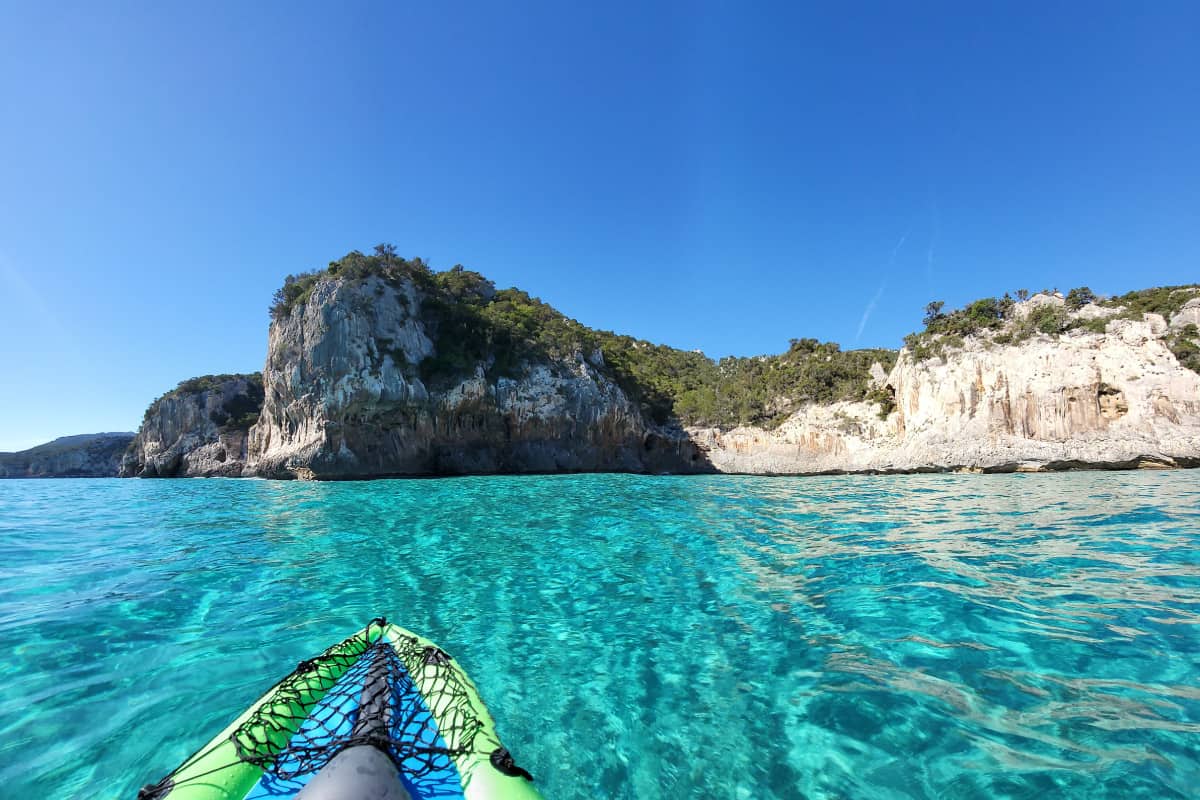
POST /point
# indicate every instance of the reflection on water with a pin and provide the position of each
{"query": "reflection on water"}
(868, 637)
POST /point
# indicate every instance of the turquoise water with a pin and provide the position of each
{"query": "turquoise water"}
(636, 637)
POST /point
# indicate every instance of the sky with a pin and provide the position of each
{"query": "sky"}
(715, 176)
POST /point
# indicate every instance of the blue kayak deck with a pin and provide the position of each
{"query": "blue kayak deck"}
(424, 772)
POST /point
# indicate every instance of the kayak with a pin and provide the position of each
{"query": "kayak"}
(385, 714)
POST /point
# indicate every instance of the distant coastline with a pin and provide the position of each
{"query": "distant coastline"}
(89, 455)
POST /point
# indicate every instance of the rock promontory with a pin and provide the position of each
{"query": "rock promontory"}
(381, 367)
(198, 429)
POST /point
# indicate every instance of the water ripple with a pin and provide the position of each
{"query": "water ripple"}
(871, 637)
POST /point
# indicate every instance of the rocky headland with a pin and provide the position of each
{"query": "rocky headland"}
(394, 372)
(87, 455)
(379, 366)
(198, 429)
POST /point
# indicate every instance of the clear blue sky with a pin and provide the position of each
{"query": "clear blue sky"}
(713, 176)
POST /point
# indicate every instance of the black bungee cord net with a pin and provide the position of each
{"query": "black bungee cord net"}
(386, 696)
(376, 704)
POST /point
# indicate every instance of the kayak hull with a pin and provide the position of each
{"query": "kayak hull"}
(384, 687)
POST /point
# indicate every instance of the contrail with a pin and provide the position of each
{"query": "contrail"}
(862, 323)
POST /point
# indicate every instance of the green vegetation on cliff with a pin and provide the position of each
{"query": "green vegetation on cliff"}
(1164, 300)
(383, 263)
(765, 390)
(995, 318)
(238, 411)
(1185, 346)
(473, 324)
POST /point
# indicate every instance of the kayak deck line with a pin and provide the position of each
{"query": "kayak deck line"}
(384, 688)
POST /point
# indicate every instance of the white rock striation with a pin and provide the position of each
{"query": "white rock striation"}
(1114, 400)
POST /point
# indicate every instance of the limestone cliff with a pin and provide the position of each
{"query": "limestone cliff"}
(370, 375)
(89, 455)
(1109, 394)
(379, 366)
(199, 429)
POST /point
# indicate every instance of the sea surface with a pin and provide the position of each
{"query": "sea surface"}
(931, 636)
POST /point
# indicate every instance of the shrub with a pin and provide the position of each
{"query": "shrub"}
(295, 291)
(920, 346)
(933, 313)
(1080, 297)
(354, 266)
(1185, 347)
(1095, 324)
(1165, 300)
(885, 396)
(949, 330)
(1048, 319)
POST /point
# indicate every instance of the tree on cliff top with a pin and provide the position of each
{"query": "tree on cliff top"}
(1079, 297)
